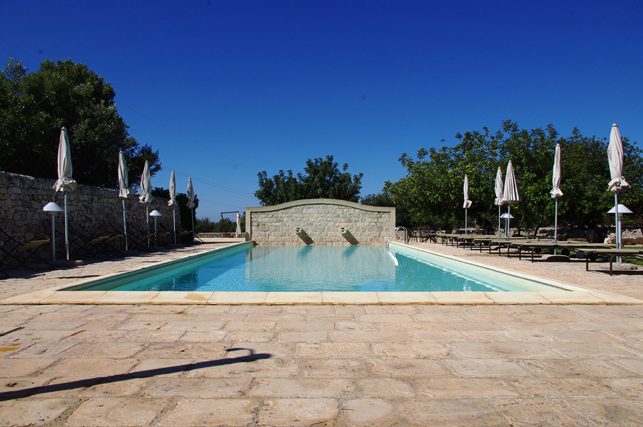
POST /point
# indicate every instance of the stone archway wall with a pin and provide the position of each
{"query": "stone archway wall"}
(322, 221)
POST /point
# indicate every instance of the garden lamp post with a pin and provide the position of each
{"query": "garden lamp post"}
(619, 210)
(506, 216)
(52, 208)
(155, 214)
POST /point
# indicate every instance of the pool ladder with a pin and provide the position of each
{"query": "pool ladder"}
(406, 235)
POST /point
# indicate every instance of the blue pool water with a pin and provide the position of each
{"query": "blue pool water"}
(310, 268)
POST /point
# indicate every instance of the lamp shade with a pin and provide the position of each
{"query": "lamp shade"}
(52, 207)
(622, 209)
(155, 213)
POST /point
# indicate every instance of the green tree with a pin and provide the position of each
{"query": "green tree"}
(33, 108)
(322, 178)
(224, 225)
(431, 191)
(182, 204)
(387, 197)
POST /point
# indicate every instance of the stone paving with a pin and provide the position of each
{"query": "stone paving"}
(322, 365)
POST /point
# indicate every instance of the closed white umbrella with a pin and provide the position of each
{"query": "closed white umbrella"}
(617, 182)
(467, 202)
(65, 182)
(499, 189)
(555, 192)
(238, 231)
(172, 202)
(123, 190)
(145, 196)
(191, 201)
(510, 194)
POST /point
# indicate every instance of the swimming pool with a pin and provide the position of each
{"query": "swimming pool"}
(249, 268)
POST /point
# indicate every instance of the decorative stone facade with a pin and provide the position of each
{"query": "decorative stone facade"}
(92, 210)
(320, 222)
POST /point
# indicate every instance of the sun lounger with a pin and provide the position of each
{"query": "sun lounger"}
(21, 251)
(533, 246)
(501, 242)
(611, 253)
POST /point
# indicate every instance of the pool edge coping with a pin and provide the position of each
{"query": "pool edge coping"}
(571, 295)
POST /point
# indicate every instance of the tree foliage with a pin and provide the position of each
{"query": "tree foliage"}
(33, 108)
(224, 225)
(431, 191)
(386, 197)
(182, 204)
(322, 178)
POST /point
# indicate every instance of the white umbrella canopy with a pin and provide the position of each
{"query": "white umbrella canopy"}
(615, 159)
(123, 190)
(499, 188)
(617, 182)
(465, 191)
(510, 194)
(467, 202)
(145, 196)
(238, 231)
(556, 192)
(65, 182)
(556, 174)
(172, 202)
(191, 195)
(123, 179)
(191, 201)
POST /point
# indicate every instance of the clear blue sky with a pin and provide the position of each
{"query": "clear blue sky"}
(226, 89)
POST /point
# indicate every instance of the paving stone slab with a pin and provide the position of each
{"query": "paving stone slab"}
(301, 387)
(361, 412)
(201, 412)
(35, 412)
(298, 412)
(104, 411)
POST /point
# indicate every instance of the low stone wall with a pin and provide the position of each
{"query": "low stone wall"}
(320, 222)
(92, 210)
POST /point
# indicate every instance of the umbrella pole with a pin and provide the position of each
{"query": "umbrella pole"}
(499, 229)
(508, 219)
(147, 220)
(192, 223)
(465, 221)
(125, 223)
(556, 220)
(53, 238)
(617, 224)
(66, 228)
(174, 222)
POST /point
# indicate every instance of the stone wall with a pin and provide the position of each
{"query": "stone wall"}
(321, 221)
(92, 210)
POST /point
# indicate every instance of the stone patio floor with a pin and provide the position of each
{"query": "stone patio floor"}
(323, 365)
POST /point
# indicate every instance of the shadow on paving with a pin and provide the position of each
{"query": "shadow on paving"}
(133, 375)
